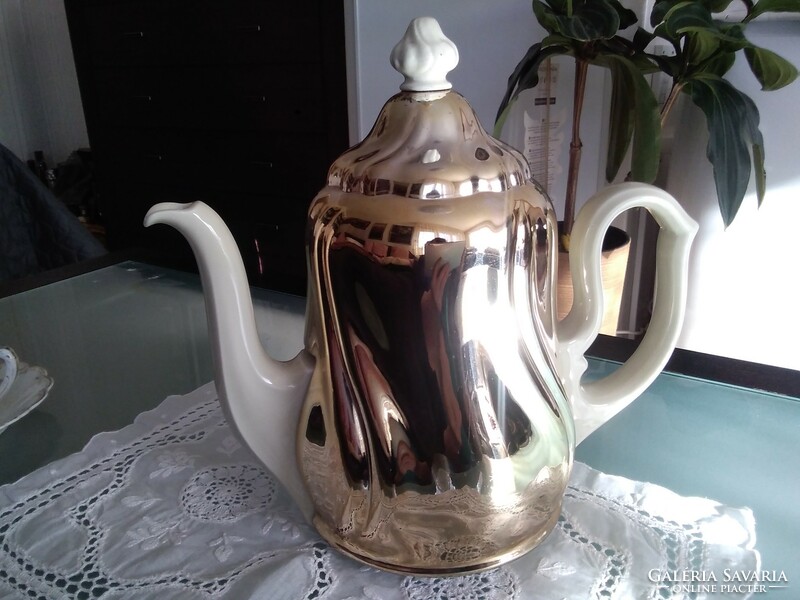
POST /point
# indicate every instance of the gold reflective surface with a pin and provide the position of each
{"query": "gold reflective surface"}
(435, 437)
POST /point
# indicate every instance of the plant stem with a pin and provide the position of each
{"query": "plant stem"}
(575, 145)
(674, 93)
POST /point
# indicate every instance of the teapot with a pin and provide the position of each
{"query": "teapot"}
(429, 425)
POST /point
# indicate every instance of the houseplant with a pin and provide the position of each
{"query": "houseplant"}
(702, 51)
(590, 32)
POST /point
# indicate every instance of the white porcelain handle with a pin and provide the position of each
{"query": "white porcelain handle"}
(596, 402)
(8, 369)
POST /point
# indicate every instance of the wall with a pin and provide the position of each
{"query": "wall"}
(744, 283)
(40, 106)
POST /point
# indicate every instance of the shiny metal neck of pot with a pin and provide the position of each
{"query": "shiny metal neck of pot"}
(428, 145)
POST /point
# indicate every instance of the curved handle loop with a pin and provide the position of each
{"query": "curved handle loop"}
(596, 402)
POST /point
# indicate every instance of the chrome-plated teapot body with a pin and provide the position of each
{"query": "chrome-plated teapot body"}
(435, 436)
(430, 423)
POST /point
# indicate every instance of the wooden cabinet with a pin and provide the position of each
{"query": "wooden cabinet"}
(239, 103)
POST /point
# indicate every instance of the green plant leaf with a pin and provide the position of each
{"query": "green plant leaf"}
(620, 119)
(761, 173)
(660, 10)
(700, 46)
(589, 21)
(559, 6)
(689, 20)
(720, 64)
(687, 16)
(772, 71)
(645, 63)
(766, 6)
(733, 131)
(524, 76)
(671, 65)
(731, 36)
(633, 116)
(555, 39)
(641, 39)
(626, 16)
(546, 16)
(716, 6)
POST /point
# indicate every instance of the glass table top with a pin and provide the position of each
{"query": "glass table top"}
(700, 438)
(117, 341)
(120, 339)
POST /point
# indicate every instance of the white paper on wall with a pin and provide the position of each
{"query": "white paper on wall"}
(544, 120)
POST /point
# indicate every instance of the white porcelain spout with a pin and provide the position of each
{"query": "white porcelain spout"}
(261, 397)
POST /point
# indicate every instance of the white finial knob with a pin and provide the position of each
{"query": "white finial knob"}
(424, 57)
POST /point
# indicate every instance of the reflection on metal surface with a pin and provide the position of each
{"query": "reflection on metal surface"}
(428, 145)
(435, 437)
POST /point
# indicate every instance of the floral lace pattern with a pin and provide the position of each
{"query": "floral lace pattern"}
(174, 507)
(499, 583)
(227, 493)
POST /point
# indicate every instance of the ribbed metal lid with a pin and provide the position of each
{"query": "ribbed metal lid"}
(427, 141)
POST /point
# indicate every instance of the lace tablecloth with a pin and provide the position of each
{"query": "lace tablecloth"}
(174, 507)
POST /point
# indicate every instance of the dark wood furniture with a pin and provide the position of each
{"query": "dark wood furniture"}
(239, 103)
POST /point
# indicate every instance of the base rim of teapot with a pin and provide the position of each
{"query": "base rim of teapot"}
(457, 569)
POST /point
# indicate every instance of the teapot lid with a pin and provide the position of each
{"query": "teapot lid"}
(427, 142)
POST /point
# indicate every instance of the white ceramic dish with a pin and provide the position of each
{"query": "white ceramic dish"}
(29, 389)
